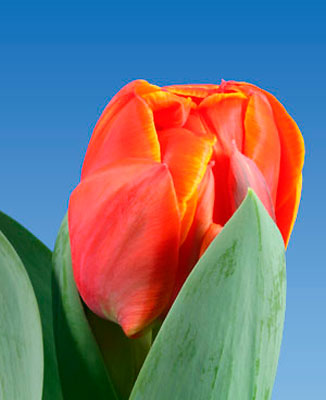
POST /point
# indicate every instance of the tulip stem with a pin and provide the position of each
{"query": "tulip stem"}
(123, 356)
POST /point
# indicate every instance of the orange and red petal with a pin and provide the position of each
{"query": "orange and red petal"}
(203, 218)
(124, 230)
(287, 212)
(291, 159)
(261, 140)
(210, 235)
(187, 156)
(224, 114)
(169, 110)
(195, 123)
(125, 129)
(222, 206)
(188, 217)
(244, 174)
(196, 92)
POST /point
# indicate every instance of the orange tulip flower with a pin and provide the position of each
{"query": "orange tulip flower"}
(164, 171)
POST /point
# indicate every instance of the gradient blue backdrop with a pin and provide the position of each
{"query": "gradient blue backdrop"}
(60, 63)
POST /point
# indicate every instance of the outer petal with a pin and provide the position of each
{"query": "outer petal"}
(291, 163)
(287, 212)
(124, 230)
(292, 158)
(261, 141)
(126, 129)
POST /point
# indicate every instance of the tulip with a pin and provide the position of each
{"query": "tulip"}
(164, 171)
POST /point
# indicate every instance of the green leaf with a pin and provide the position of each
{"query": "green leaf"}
(81, 366)
(222, 337)
(36, 258)
(21, 347)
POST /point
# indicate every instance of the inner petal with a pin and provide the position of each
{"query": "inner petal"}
(244, 174)
(169, 110)
(224, 114)
(222, 205)
(203, 218)
(197, 92)
(187, 156)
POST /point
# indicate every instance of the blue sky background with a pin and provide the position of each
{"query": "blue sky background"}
(61, 62)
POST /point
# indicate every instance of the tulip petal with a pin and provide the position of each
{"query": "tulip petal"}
(124, 230)
(210, 235)
(291, 162)
(188, 217)
(223, 113)
(203, 218)
(187, 156)
(196, 91)
(222, 206)
(126, 129)
(244, 174)
(205, 206)
(261, 141)
(195, 123)
(287, 212)
(292, 158)
(169, 110)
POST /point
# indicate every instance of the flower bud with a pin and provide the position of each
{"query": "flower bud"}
(164, 171)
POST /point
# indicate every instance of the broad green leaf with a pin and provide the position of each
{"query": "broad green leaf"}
(81, 366)
(221, 339)
(21, 347)
(36, 258)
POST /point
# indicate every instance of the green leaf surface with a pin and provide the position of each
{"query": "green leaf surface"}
(81, 366)
(36, 258)
(221, 339)
(21, 347)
